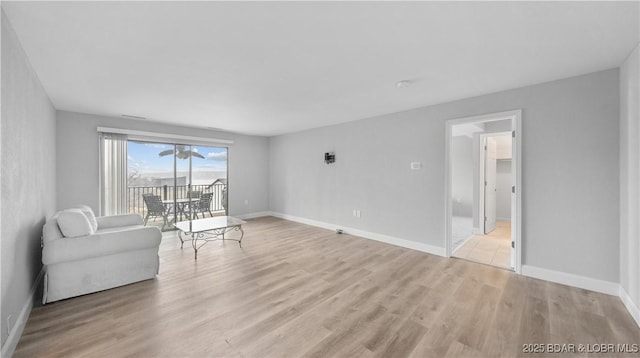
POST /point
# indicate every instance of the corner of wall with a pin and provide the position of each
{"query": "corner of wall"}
(28, 178)
(15, 333)
(629, 250)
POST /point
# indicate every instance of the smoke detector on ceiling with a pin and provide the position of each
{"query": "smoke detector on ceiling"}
(404, 83)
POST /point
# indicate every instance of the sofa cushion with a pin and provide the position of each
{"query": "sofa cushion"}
(117, 229)
(88, 212)
(74, 223)
(113, 221)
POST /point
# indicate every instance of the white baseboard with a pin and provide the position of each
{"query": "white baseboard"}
(592, 284)
(258, 214)
(21, 321)
(504, 219)
(628, 303)
(477, 231)
(305, 221)
(435, 250)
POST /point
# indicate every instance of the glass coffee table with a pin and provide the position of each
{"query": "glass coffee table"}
(209, 229)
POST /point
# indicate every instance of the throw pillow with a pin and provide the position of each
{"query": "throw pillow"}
(74, 223)
(86, 210)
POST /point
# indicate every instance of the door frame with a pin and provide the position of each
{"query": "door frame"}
(481, 176)
(516, 165)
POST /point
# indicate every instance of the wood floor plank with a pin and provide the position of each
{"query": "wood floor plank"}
(351, 332)
(294, 290)
(508, 316)
(404, 340)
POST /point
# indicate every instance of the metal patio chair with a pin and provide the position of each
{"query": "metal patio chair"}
(155, 209)
(203, 205)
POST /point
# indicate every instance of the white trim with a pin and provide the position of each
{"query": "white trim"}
(462, 244)
(628, 303)
(156, 136)
(516, 118)
(448, 207)
(306, 221)
(587, 283)
(408, 244)
(21, 321)
(482, 162)
(489, 117)
(258, 214)
(516, 155)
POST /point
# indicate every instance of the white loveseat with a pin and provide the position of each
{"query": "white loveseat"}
(112, 251)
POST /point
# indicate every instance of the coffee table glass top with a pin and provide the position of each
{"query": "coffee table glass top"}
(214, 223)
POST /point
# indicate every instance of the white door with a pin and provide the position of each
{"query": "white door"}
(490, 185)
(513, 204)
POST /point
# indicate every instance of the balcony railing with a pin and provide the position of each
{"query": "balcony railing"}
(136, 204)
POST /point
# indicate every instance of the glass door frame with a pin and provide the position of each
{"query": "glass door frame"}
(176, 212)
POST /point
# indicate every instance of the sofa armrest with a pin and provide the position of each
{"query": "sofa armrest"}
(101, 244)
(119, 220)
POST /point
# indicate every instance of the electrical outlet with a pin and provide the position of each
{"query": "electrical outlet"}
(246, 201)
(356, 213)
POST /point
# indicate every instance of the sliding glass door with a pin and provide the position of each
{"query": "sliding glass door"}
(174, 182)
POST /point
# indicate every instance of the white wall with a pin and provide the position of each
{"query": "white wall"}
(503, 190)
(28, 185)
(77, 153)
(567, 225)
(503, 146)
(503, 177)
(462, 167)
(488, 127)
(630, 182)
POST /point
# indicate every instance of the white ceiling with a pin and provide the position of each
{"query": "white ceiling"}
(274, 67)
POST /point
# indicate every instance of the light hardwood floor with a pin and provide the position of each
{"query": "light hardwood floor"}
(295, 290)
(492, 249)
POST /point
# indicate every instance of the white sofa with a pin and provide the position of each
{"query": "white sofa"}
(113, 251)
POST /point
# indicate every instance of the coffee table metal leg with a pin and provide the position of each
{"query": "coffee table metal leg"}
(194, 243)
(180, 237)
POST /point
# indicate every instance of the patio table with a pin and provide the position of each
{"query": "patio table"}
(181, 204)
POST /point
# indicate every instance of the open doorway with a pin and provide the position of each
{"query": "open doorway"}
(483, 194)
